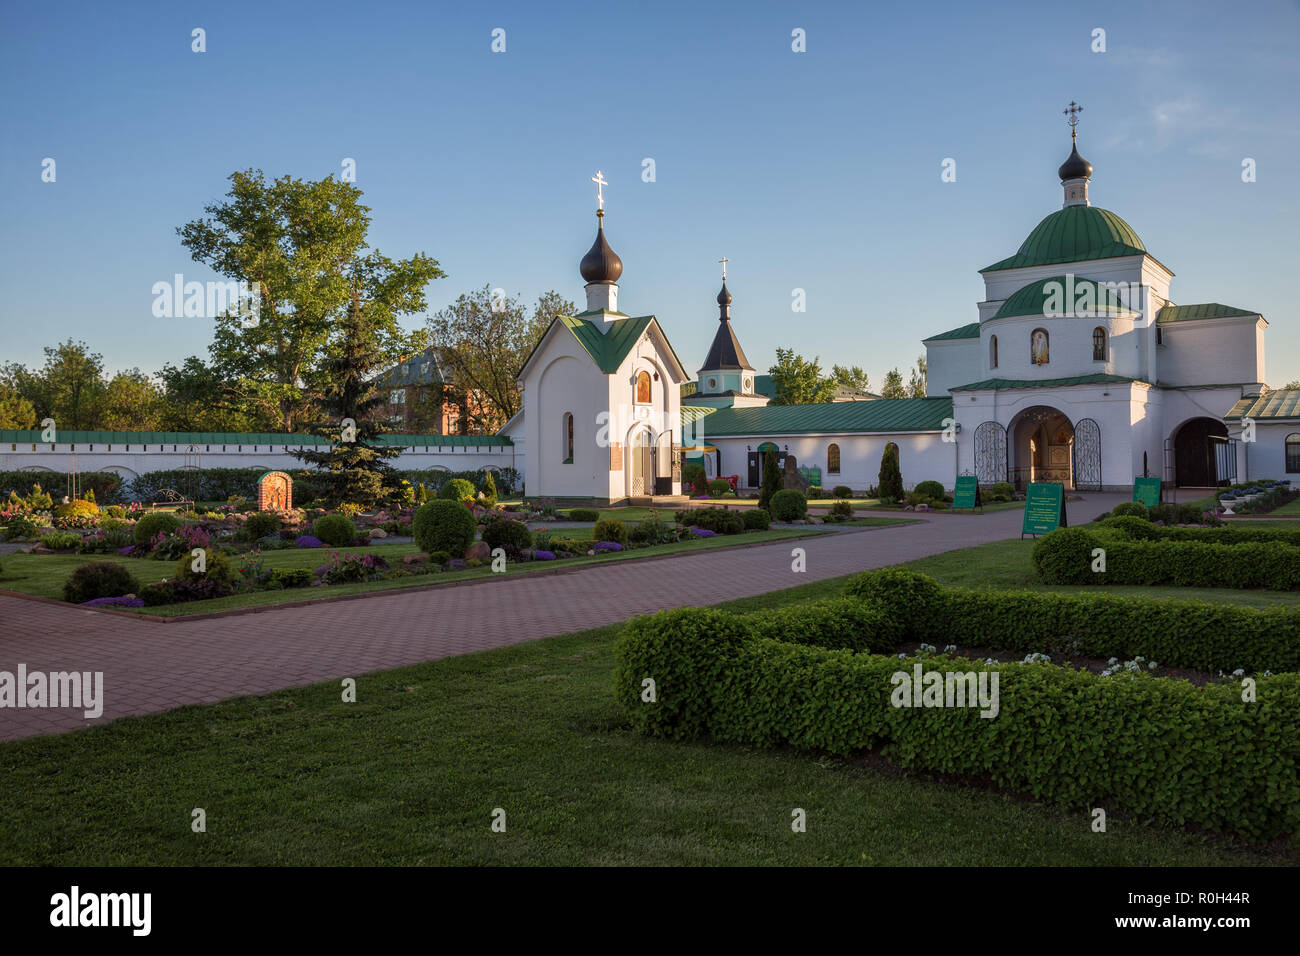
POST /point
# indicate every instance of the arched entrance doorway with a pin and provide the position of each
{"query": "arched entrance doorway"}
(641, 465)
(1201, 450)
(1041, 441)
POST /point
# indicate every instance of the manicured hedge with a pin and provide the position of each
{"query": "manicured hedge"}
(442, 525)
(106, 485)
(1065, 557)
(218, 484)
(1155, 748)
(1196, 634)
(1139, 530)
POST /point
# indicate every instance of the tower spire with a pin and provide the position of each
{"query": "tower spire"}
(1075, 171)
(601, 266)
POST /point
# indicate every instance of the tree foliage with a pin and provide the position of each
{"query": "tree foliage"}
(797, 381)
(893, 387)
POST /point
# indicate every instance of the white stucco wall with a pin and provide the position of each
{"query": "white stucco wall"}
(1212, 351)
(922, 456)
(952, 362)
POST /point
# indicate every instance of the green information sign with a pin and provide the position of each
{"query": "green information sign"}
(1044, 508)
(967, 493)
(1147, 491)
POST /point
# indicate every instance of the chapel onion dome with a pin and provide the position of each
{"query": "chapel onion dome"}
(1076, 167)
(724, 297)
(601, 264)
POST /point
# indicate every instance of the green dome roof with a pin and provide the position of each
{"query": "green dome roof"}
(1033, 299)
(1075, 234)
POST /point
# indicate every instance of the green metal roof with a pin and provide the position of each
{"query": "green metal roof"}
(971, 331)
(1279, 403)
(693, 413)
(883, 415)
(1074, 234)
(1063, 294)
(1205, 310)
(33, 436)
(1097, 379)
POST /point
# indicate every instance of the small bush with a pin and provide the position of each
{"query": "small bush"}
(1005, 489)
(217, 567)
(291, 577)
(160, 592)
(261, 524)
(814, 491)
(439, 557)
(789, 505)
(584, 514)
(444, 525)
(842, 509)
(505, 533)
(153, 522)
(717, 520)
(1065, 556)
(930, 489)
(489, 490)
(609, 529)
(719, 487)
(99, 579)
(906, 597)
(756, 519)
(458, 489)
(61, 541)
(842, 491)
(336, 529)
(20, 528)
(1134, 509)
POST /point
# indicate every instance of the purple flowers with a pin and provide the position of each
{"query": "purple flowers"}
(307, 541)
(114, 602)
(544, 555)
(127, 550)
(704, 533)
(607, 546)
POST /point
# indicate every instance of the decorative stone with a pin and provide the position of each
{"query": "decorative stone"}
(420, 557)
(378, 533)
(480, 550)
(275, 492)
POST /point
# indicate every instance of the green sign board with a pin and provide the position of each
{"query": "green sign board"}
(1044, 508)
(1147, 491)
(967, 492)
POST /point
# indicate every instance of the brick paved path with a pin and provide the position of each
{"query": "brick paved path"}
(150, 667)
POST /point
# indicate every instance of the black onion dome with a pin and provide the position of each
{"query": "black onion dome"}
(601, 263)
(724, 297)
(1076, 167)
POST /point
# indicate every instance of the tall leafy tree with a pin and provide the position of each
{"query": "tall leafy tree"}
(355, 464)
(294, 242)
(68, 388)
(798, 381)
(771, 480)
(916, 384)
(131, 402)
(482, 342)
(893, 387)
(197, 398)
(15, 411)
(853, 377)
(891, 477)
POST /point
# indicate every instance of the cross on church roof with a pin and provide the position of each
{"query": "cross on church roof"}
(1073, 112)
(600, 181)
(724, 260)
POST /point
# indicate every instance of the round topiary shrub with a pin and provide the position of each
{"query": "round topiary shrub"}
(756, 519)
(1065, 557)
(444, 525)
(1004, 488)
(217, 567)
(584, 514)
(506, 533)
(842, 491)
(842, 509)
(1130, 528)
(930, 489)
(151, 524)
(717, 520)
(261, 524)
(336, 529)
(458, 489)
(610, 529)
(719, 486)
(99, 579)
(789, 505)
(907, 598)
(1135, 509)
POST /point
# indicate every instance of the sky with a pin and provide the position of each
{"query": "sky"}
(817, 170)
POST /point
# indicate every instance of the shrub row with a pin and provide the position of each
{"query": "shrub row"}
(1066, 557)
(218, 484)
(1196, 634)
(106, 485)
(1155, 748)
(1135, 529)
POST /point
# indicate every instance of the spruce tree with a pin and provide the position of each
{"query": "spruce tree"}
(891, 478)
(771, 480)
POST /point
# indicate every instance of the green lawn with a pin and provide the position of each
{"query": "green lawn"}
(44, 574)
(412, 772)
(1293, 508)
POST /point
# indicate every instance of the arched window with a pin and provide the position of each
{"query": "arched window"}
(833, 458)
(643, 388)
(566, 432)
(1099, 344)
(1293, 453)
(993, 351)
(1038, 352)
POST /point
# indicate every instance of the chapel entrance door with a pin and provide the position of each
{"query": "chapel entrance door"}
(642, 472)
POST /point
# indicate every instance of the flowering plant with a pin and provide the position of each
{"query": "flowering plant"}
(544, 555)
(607, 546)
(307, 541)
(113, 602)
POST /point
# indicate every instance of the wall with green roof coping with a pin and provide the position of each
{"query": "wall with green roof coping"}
(1202, 310)
(970, 331)
(236, 438)
(881, 415)
(1097, 379)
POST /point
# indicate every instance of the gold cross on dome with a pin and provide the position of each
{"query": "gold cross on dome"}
(601, 182)
(724, 260)
(1073, 112)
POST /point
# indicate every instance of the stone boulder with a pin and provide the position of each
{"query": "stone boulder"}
(480, 550)
(420, 557)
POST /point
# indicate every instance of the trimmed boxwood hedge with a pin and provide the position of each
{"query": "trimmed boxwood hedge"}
(1155, 748)
(1139, 530)
(442, 525)
(1065, 557)
(153, 522)
(789, 505)
(1196, 634)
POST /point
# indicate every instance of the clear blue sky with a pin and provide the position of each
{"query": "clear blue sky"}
(816, 170)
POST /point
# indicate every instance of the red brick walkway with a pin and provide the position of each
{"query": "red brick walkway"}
(152, 667)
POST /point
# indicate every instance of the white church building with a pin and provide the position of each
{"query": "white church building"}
(1079, 367)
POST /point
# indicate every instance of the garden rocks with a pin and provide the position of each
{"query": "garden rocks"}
(479, 550)
(378, 533)
(420, 557)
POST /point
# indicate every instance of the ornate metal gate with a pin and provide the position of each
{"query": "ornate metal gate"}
(990, 453)
(1087, 455)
